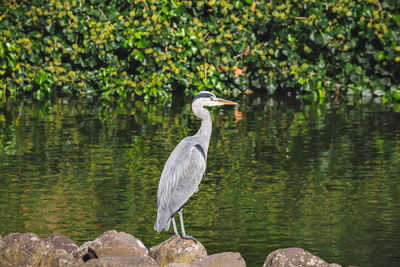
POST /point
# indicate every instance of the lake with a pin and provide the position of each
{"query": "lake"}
(281, 173)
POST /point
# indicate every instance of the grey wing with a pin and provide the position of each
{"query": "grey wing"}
(180, 178)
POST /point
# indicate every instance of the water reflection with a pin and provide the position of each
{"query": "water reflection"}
(324, 177)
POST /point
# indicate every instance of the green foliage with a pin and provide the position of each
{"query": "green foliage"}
(150, 48)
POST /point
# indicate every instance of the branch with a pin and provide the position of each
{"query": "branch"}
(102, 13)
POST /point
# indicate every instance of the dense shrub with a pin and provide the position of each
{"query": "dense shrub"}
(150, 48)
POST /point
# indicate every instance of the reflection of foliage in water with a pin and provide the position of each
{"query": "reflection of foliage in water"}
(323, 177)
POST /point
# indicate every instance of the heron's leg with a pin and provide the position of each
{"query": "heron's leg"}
(184, 235)
(174, 225)
(181, 220)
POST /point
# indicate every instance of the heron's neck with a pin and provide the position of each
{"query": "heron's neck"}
(204, 133)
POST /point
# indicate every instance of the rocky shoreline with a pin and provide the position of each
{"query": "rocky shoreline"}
(114, 248)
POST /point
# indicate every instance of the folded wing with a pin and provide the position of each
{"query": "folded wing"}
(180, 178)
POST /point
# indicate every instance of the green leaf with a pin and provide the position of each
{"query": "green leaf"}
(46, 87)
(348, 68)
(181, 32)
(11, 62)
(312, 37)
(238, 4)
(291, 38)
(380, 55)
(393, 45)
(302, 80)
(29, 87)
(325, 38)
(138, 55)
(1, 50)
(219, 86)
(143, 43)
(113, 16)
(396, 94)
(194, 50)
(50, 27)
(39, 95)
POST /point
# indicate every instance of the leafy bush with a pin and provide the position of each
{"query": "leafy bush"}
(150, 48)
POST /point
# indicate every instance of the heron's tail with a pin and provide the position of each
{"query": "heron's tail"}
(163, 221)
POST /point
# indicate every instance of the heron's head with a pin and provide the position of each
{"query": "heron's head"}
(208, 99)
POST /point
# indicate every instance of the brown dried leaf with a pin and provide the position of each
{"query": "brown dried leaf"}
(238, 115)
(246, 51)
(253, 6)
(239, 71)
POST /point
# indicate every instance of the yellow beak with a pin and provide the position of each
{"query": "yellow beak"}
(225, 102)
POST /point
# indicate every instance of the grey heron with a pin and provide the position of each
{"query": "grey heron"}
(186, 166)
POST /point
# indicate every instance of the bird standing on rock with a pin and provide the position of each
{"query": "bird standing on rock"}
(185, 166)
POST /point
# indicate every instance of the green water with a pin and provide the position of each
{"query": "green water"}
(324, 177)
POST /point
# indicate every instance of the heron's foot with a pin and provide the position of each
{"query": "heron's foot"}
(190, 238)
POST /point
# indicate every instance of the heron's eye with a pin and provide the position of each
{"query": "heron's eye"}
(212, 98)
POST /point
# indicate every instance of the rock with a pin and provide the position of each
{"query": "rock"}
(111, 243)
(58, 258)
(30, 250)
(225, 259)
(181, 264)
(2, 244)
(122, 261)
(295, 257)
(81, 254)
(177, 249)
(22, 249)
(62, 242)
